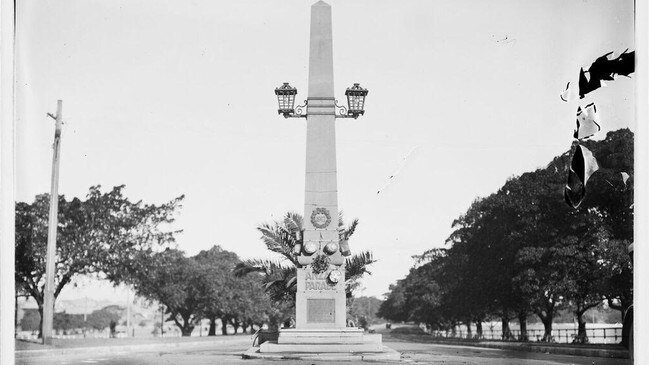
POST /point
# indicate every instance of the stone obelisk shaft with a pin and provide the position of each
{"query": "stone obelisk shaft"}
(318, 304)
(321, 185)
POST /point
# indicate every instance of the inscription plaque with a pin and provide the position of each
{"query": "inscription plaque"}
(320, 310)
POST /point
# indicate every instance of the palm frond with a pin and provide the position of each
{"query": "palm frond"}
(282, 236)
(357, 265)
(243, 269)
(271, 236)
(293, 222)
(345, 232)
(269, 284)
(291, 282)
(267, 267)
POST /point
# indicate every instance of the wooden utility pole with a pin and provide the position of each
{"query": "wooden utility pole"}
(128, 313)
(162, 320)
(85, 319)
(48, 305)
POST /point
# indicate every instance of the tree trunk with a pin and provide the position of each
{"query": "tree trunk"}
(224, 326)
(212, 331)
(186, 330)
(235, 324)
(581, 332)
(478, 329)
(469, 333)
(522, 321)
(40, 326)
(507, 333)
(547, 325)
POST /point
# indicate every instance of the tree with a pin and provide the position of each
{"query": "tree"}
(578, 250)
(101, 319)
(96, 235)
(30, 320)
(393, 307)
(234, 300)
(365, 307)
(612, 197)
(216, 266)
(421, 295)
(202, 286)
(485, 239)
(65, 322)
(173, 280)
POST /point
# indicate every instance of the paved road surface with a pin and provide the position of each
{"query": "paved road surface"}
(229, 352)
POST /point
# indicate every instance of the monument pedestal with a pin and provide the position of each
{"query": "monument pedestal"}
(324, 340)
(335, 344)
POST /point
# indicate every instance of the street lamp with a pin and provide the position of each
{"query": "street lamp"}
(355, 102)
(286, 98)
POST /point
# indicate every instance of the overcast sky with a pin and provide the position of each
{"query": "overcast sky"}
(176, 97)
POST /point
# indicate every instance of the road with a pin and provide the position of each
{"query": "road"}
(229, 352)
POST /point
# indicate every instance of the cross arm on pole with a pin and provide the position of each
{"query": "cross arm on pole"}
(59, 111)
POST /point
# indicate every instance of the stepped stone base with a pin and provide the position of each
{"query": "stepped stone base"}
(334, 340)
(326, 336)
(320, 348)
(346, 344)
(386, 354)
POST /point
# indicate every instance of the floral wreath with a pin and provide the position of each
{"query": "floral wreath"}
(320, 264)
(315, 213)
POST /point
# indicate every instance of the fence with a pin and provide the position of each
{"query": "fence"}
(603, 335)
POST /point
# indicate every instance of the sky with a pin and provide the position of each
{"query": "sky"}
(176, 97)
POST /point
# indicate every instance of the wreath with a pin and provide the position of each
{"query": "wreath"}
(314, 218)
(320, 264)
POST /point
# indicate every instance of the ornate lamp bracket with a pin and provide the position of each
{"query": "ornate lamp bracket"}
(300, 110)
(341, 111)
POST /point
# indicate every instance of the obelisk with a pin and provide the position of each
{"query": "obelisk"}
(320, 306)
(320, 302)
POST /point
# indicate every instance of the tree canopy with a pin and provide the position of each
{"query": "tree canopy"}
(522, 250)
(201, 286)
(98, 235)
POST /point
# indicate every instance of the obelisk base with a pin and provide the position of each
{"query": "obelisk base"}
(346, 344)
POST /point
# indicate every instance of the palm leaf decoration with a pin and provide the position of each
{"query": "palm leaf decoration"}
(344, 232)
(357, 265)
(281, 237)
(279, 278)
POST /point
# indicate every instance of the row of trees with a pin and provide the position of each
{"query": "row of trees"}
(522, 251)
(200, 287)
(133, 243)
